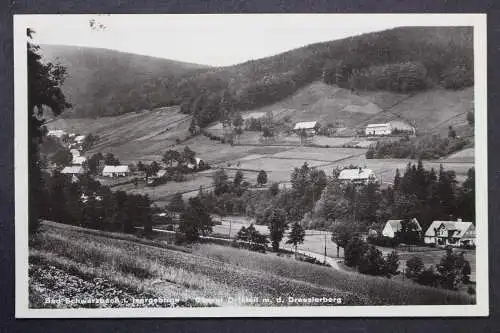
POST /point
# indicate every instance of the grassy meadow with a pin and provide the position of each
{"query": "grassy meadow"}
(210, 271)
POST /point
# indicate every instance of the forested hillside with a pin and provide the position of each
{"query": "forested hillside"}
(104, 82)
(401, 60)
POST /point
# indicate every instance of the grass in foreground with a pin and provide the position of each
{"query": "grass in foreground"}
(378, 290)
(215, 271)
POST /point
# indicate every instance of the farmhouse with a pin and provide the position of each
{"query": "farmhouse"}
(393, 226)
(196, 164)
(453, 233)
(75, 152)
(378, 129)
(310, 127)
(73, 170)
(115, 171)
(56, 133)
(357, 176)
(78, 160)
(79, 139)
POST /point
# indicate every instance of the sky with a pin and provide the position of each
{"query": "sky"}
(215, 39)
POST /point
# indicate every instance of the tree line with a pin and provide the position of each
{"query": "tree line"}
(424, 148)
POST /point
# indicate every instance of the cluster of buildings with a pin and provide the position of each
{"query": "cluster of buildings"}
(311, 128)
(393, 127)
(440, 233)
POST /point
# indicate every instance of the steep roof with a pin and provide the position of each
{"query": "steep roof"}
(79, 159)
(378, 125)
(353, 174)
(305, 125)
(457, 228)
(396, 224)
(115, 168)
(73, 170)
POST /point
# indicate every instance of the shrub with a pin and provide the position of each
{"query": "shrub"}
(371, 261)
(453, 269)
(471, 290)
(353, 251)
(392, 264)
(414, 266)
(428, 277)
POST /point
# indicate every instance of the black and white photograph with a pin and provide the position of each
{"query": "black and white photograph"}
(250, 165)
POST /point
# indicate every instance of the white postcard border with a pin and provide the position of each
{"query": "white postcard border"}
(478, 21)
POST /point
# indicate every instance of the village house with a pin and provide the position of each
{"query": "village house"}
(196, 164)
(79, 139)
(310, 127)
(115, 171)
(378, 129)
(74, 152)
(56, 133)
(78, 160)
(357, 176)
(393, 226)
(453, 233)
(73, 170)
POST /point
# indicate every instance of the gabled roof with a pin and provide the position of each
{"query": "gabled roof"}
(378, 125)
(80, 138)
(396, 224)
(115, 168)
(305, 125)
(354, 174)
(455, 228)
(79, 159)
(56, 133)
(73, 170)
(161, 173)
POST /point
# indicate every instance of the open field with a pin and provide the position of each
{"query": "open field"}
(164, 191)
(466, 155)
(213, 272)
(138, 136)
(320, 154)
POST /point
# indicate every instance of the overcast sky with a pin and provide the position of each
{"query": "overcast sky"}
(217, 40)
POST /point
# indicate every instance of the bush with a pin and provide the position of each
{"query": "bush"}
(414, 267)
(392, 264)
(353, 251)
(428, 277)
(372, 262)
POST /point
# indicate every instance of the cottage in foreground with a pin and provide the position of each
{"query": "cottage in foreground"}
(394, 226)
(453, 233)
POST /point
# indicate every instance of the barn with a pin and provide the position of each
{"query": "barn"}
(115, 171)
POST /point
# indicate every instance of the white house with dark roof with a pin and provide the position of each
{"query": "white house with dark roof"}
(56, 133)
(393, 226)
(309, 126)
(79, 139)
(378, 129)
(78, 160)
(73, 170)
(357, 176)
(454, 233)
(115, 171)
